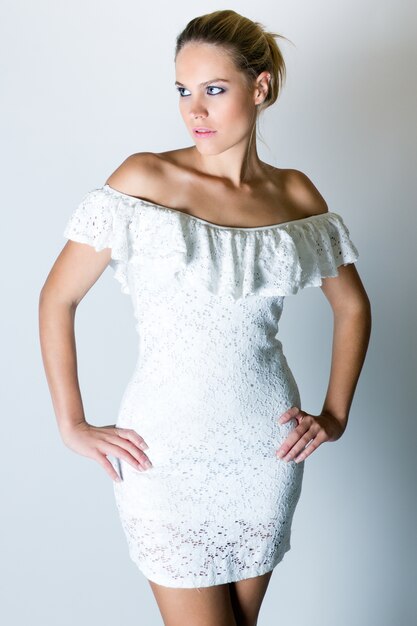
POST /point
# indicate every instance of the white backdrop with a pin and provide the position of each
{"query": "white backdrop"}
(83, 86)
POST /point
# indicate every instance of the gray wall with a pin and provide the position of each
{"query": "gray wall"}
(85, 85)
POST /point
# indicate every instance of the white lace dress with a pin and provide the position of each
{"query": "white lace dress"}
(210, 381)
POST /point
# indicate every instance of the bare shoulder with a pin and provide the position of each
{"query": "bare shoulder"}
(303, 193)
(136, 175)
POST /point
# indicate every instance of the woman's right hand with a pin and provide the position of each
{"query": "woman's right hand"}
(96, 442)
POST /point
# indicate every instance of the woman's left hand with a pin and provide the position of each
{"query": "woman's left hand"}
(311, 428)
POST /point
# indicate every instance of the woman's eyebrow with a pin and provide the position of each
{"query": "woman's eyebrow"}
(213, 80)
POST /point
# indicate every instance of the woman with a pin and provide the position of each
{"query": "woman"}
(208, 240)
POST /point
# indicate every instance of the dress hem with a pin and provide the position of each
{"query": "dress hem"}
(220, 580)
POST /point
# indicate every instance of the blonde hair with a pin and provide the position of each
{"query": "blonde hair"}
(252, 49)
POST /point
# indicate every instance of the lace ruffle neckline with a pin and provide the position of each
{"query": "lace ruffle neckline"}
(153, 245)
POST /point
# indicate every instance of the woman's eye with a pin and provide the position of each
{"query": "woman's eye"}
(213, 87)
(181, 89)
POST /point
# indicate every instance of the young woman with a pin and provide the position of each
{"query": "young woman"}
(210, 442)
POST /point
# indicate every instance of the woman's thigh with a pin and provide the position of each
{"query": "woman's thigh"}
(247, 596)
(206, 606)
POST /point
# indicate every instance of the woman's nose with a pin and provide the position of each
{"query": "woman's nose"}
(198, 115)
(198, 110)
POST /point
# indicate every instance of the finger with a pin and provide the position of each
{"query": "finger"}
(293, 438)
(298, 447)
(307, 451)
(129, 433)
(289, 414)
(104, 462)
(124, 436)
(122, 453)
(317, 441)
(306, 434)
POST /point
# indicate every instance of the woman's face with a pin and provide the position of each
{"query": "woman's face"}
(224, 106)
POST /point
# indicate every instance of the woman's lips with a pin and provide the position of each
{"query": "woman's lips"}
(203, 133)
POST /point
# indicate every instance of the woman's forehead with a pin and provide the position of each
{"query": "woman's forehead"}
(201, 64)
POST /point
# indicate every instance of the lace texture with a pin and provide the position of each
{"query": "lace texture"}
(210, 383)
(165, 244)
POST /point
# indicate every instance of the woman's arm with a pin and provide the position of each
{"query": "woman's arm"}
(74, 272)
(351, 311)
(351, 333)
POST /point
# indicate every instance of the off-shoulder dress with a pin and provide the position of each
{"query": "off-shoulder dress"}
(210, 382)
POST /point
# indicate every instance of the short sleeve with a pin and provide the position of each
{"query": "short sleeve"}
(101, 221)
(322, 247)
